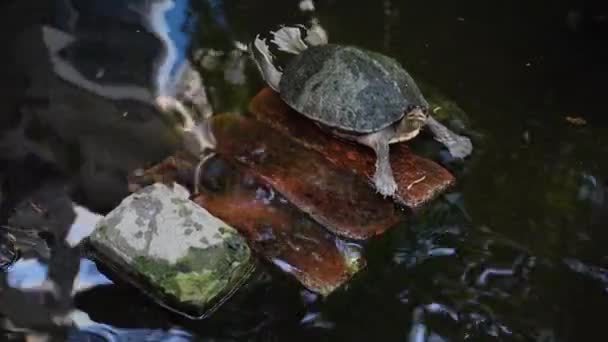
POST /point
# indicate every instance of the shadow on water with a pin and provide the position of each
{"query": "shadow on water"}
(514, 252)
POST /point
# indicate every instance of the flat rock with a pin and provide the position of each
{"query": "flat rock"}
(338, 199)
(173, 250)
(275, 229)
(419, 179)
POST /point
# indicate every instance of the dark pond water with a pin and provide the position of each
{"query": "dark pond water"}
(515, 252)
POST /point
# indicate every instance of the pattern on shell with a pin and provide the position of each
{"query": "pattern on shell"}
(349, 88)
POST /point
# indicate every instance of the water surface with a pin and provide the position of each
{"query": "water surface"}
(515, 252)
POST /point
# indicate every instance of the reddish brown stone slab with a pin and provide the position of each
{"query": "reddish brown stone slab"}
(274, 228)
(338, 199)
(419, 179)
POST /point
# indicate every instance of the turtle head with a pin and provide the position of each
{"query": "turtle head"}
(411, 124)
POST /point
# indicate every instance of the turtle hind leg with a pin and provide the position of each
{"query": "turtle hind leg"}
(289, 39)
(316, 35)
(459, 146)
(265, 62)
(383, 176)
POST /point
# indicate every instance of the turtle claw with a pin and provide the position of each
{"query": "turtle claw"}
(384, 181)
(260, 53)
(289, 39)
(385, 184)
(459, 146)
(316, 35)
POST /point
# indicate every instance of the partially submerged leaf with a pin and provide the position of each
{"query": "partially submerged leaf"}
(576, 120)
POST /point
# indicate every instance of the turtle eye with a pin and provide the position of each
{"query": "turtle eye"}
(423, 109)
(417, 111)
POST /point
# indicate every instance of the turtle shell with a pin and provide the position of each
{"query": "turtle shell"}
(348, 88)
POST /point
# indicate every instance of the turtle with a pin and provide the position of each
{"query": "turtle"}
(354, 93)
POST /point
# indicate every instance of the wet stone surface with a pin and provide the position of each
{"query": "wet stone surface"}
(278, 231)
(275, 229)
(419, 179)
(173, 250)
(327, 193)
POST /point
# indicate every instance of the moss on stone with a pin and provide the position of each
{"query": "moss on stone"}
(199, 287)
(202, 274)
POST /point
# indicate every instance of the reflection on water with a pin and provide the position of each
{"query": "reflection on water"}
(515, 252)
(31, 273)
(104, 333)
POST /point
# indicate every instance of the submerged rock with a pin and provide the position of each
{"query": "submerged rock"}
(173, 250)
(449, 113)
(275, 229)
(419, 179)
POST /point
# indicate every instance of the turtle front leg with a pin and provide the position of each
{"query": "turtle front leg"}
(383, 176)
(459, 146)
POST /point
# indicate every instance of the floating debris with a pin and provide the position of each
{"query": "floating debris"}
(407, 167)
(173, 250)
(576, 120)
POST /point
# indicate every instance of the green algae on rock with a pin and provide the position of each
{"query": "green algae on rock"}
(173, 250)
